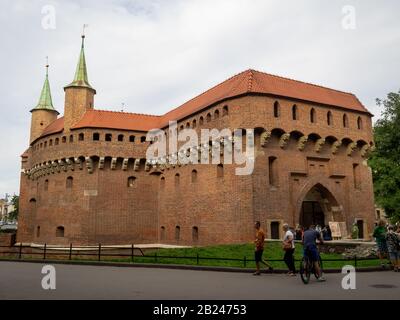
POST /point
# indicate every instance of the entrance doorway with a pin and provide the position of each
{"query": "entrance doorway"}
(312, 214)
(360, 225)
(275, 230)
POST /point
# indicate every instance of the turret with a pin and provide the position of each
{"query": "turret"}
(79, 95)
(44, 113)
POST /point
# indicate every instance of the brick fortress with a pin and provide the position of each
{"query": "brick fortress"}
(85, 179)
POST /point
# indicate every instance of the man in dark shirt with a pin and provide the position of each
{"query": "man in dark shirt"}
(310, 238)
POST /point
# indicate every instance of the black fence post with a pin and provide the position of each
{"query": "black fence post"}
(155, 257)
(99, 255)
(132, 252)
(44, 251)
(70, 251)
(20, 251)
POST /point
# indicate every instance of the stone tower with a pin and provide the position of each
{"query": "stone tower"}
(79, 95)
(44, 113)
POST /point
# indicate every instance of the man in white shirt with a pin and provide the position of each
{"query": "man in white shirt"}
(289, 247)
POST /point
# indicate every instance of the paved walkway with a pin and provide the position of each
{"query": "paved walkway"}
(23, 281)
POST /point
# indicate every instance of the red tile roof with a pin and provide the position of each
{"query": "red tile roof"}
(247, 82)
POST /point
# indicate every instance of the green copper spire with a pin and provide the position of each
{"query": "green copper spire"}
(45, 101)
(81, 75)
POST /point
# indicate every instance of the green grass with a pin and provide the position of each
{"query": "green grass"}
(272, 251)
(244, 253)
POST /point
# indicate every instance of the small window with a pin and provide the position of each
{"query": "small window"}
(194, 124)
(120, 137)
(69, 182)
(277, 111)
(45, 144)
(273, 171)
(181, 128)
(295, 115)
(345, 121)
(187, 124)
(64, 139)
(81, 137)
(201, 121)
(71, 138)
(37, 231)
(162, 233)
(177, 179)
(220, 171)
(46, 185)
(108, 137)
(194, 176)
(208, 117)
(313, 116)
(96, 136)
(60, 232)
(131, 182)
(359, 123)
(50, 142)
(329, 118)
(143, 139)
(195, 234)
(57, 141)
(162, 182)
(131, 138)
(216, 114)
(177, 233)
(225, 111)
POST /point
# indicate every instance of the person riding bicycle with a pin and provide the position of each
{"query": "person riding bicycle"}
(309, 241)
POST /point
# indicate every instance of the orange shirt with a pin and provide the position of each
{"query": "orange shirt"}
(260, 237)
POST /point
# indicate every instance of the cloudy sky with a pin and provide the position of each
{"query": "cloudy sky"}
(154, 55)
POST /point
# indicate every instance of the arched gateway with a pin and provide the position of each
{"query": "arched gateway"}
(319, 206)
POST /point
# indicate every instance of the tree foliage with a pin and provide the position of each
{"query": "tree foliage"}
(13, 215)
(385, 160)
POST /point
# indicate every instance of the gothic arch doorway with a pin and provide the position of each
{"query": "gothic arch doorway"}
(319, 207)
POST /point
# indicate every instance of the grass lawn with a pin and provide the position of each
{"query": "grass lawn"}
(272, 251)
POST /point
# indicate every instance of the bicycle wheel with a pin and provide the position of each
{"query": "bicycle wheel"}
(305, 270)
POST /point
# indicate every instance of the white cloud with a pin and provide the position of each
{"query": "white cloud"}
(155, 55)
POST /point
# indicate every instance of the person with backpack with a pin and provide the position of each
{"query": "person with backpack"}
(393, 245)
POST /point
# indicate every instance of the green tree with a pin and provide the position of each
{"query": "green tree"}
(13, 215)
(385, 160)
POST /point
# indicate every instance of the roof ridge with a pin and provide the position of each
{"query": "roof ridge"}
(304, 82)
(124, 112)
(250, 80)
(204, 92)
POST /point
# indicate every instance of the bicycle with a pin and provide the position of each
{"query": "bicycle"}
(307, 267)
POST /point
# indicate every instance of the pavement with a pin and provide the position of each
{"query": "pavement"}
(23, 281)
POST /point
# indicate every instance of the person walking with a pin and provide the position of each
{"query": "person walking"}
(393, 246)
(259, 249)
(289, 247)
(380, 238)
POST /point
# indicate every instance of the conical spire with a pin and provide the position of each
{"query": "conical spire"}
(45, 101)
(81, 75)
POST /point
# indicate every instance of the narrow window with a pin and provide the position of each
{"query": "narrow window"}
(162, 182)
(194, 124)
(37, 231)
(312, 116)
(195, 234)
(64, 139)
(162, 233)
(194, 176)
(220, 171)
(46, 185)
(71, 138)
(131, 182)
(294, 113)
(201, 121)
(96, 136)
(216, 114)
(208, 117)
(81, 137)
(69, 182)
(345, 121)
(177, 180)
(132, 139)
(356, 176)
(329, 118)
(177, 233)
(272, 171)
(359, 123)
(60, 232)
(143, 139)
(108, 137)
(277, 111)
(45, 144)
(120, 137)
(225, 111)
(50, 142)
